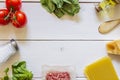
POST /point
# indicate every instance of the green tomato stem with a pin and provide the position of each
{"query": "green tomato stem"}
(8, 16)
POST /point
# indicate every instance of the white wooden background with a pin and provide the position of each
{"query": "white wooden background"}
(68, 41)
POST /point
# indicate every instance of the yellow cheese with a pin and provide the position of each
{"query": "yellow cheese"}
(113, 47)
(101, 70)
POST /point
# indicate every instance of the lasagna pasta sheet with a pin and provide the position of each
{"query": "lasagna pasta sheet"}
(113, 47)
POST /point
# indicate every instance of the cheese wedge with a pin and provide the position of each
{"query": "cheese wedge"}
(113, 47)
(101, 70)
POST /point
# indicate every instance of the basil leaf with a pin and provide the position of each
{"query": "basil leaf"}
(71, 9)
(75, 1)
(6, 77)
(61, 7)
(6, 70)
(67, 1)
(48, 5)
(59, 13)
(20, 71)
(58, 3)
(18, 64)
(51, 6)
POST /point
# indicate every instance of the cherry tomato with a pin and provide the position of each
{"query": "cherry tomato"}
(19, 19)
(13, 4)
(4, 16)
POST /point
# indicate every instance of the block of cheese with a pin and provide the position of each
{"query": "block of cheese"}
(101, 70)
(113, 47)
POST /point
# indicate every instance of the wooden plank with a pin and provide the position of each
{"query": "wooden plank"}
(75, 53)
(79, 0)
(76, 79)
(42, 25)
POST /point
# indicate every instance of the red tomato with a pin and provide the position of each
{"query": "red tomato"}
(4, 16)
(19, 19)
(13, 4)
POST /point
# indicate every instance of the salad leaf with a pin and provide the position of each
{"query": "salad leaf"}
(58, 3)
(71, 9)
(19, 72)
(59, 13)
(67, 1)
(48, 5)
(61, 7)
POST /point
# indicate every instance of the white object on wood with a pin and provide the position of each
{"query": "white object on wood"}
(42, 25)
(78, 54)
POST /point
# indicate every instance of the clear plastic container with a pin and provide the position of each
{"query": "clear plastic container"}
(58, 73)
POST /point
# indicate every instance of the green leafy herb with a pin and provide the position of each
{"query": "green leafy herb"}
(19, 72)
(61, 7)
(6, 77)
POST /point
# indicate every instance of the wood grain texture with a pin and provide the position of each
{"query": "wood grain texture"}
(67, 41)
(79, 0)
(75, 53)
(42, 25)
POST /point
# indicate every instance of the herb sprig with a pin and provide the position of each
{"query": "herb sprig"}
(19, 72)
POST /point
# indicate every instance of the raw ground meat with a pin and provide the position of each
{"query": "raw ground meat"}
(58, 76)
